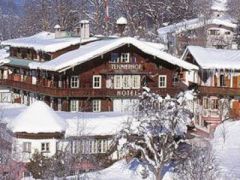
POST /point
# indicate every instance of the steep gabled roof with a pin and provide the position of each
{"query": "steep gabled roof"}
(38, 118)
(45, 41)
(95, 49)
(194, 24)
(210, 58)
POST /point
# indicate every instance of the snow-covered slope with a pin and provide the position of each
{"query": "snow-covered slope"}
(120, 170)
(227, 148)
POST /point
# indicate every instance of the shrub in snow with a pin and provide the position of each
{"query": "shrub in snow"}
(39, 166)
(199, 163)
(154, 130)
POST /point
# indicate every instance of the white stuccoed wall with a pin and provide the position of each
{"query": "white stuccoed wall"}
(19, 155)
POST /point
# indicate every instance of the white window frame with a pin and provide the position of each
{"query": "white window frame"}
(160, 82)
(27, 147)
(205, 103)
(99, 77)
(136, 81)
(214, 103)
(125, 57)
(74, 105)
(96, 105)
(45, 147)
(126, 81)
(74, 82)
(117, 82)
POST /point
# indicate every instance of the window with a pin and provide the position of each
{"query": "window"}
(96, 105)
(136, 81)
(124, 58)
(214, 32)
(114, 58)
(117, 82)
(214, 104)
(120, 58)
(74, 105)
(27, 147)
(74, 82)
(126, 82)
(97, 81)
(162, 81)
(205, 103)
(228, 33)
(45, 147)
(222, 80)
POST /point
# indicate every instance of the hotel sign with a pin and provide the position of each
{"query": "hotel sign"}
(126, 93)
(126, 66)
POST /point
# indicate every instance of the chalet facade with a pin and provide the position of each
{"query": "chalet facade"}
(104, 75)
(218, 83)
(36, 133)
(217, 31)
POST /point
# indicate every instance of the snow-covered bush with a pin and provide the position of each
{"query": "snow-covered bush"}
(155, 128)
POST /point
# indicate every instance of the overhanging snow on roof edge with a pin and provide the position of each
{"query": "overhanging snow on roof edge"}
(95, 49)
(210, 58)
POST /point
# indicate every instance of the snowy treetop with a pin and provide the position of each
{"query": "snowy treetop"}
(95, 49)
(38, 118)
(3, 54)
(219, 5)
(210, 58)
(45, 41)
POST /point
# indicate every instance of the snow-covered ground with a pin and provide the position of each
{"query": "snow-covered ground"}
(226, 145)
(120, 170)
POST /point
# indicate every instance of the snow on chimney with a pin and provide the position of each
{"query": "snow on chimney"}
(59, 33)
(121, 23)
(85, 32)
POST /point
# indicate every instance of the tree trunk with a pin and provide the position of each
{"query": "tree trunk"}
(158, 173)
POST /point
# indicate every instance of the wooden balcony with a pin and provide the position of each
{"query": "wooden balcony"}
(82, 92)
(214, 91)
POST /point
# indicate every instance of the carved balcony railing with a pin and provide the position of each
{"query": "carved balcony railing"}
(83, 92)
(224, 91)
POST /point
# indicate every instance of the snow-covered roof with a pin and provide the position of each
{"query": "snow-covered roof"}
(92, 50)
(84, 123)
(45, 41)
(194, 24)
(92, 123)
(38, 118)
(210, 58)
(219, 5)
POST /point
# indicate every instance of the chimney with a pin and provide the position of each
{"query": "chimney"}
(85, 32)
(121, 24)
(59, 33)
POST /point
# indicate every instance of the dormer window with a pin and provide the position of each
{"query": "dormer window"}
(120, 58)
